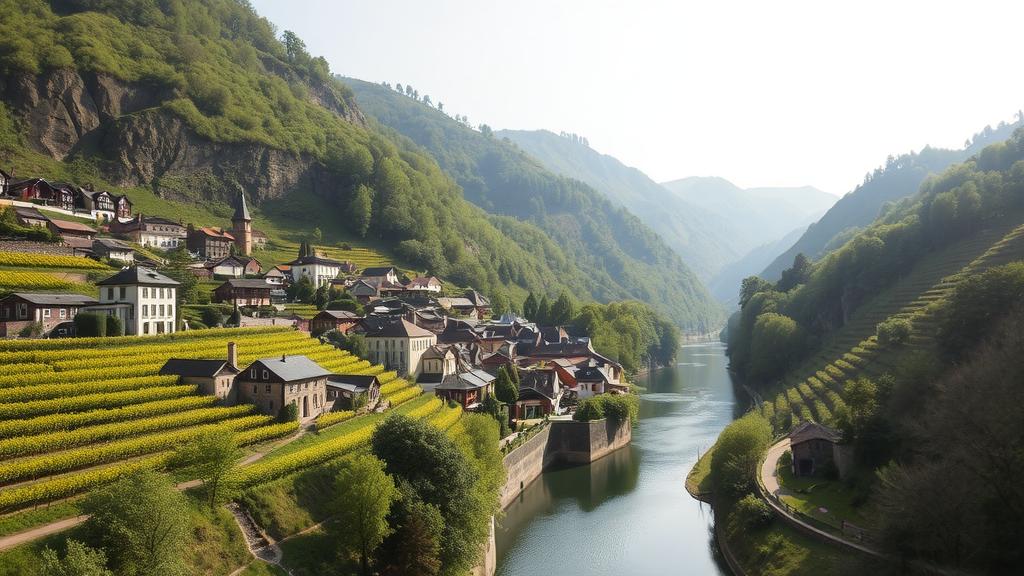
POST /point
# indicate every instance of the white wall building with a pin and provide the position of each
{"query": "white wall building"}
(320, 270)
(144, 300)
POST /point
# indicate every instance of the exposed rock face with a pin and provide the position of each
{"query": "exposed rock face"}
(65, 110)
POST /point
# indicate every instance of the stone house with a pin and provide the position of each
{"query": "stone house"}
(271, 383)
(399, 346)
(243, 292)
(210, 243)
(23, 308)
(814, 445)
(143, 299)
(150, 231)
(213, 377)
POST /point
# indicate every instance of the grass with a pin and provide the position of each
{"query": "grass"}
(814, 493)
(38, 517)
(698, 481)
(261, 568)
(304, 556)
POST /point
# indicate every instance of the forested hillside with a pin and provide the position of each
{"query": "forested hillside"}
(612, 247)
(898, 178)
(705, 240)
(188, 100)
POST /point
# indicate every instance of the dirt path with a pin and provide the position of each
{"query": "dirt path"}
(260, 545)
(40, 531)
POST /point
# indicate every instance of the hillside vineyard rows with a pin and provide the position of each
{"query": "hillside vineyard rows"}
(78, 414)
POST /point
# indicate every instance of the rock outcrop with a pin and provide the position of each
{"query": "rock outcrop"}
(66, 111)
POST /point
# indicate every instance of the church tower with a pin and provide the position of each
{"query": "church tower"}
(241, 225)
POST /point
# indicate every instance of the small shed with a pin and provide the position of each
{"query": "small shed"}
(342, 389)
(813, 446)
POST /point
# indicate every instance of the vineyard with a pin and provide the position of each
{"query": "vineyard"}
(855, 350)
(29, 260)
(76, 414)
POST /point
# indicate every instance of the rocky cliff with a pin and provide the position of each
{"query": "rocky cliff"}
(66, 112)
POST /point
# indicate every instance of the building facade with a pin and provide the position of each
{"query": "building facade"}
(144, 300)
(399, 346)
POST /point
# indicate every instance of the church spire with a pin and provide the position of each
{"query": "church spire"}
(241, 209)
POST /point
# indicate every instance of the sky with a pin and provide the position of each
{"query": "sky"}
(759, 93)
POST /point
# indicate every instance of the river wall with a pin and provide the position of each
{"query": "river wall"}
(562, 442)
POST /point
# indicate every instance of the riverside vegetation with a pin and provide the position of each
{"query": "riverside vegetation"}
(903, 339)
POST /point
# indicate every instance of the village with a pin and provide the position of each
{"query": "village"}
(449, 345)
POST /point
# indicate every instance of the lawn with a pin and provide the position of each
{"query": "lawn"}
(814, 494)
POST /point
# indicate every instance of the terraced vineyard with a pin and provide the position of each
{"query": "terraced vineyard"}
(814, 391)
(75, 414)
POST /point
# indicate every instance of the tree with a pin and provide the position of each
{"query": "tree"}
(530, 307)
(235, 318)
(426, 99)
(543, 311)
(304, 290)
(359, 210)
(294, 47)
(795, 275)
(752, 285)
(210, 457)
(440, 106)
(563, 310)
(318, 236)
(441, 476)
(363, 497)
(321, 297)
(142, 521)
(398, 86)
(354, 343)
(504, 389)
(80, 560)
(211, 316)
(740, 448)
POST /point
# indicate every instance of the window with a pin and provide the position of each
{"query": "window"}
(170, 309)
(46, 312)
(145, 310)
(145, 292)
(145, 327)
(162, 311)
(252, 373)
(271, 405)
(255, 389)
(110, 293)
(266, 375)
(122, 293)
(63, 313)
(269, 389)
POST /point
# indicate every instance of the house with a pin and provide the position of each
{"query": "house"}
(319, 269)
(462, 306)
(210, 243)
(67, 229)
(29, 217)
(150, 231)
(384, 273)
(399, 346)
(340, 320)
(364, 291)
(437, 363)
(424, 286)
(342, 390)
(113, 249)
(480, 303)
(144, 300)
(213, 377)
(23, 308)
(466, 388)
(259, 238)
(814, 445)
(100, 203)
(279, 274)
(243, 292)
(271, 383)
(540, 393)
(57, 195)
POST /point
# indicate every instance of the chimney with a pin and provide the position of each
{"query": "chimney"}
(233, 354)
(282, 358)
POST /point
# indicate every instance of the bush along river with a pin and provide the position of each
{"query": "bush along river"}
(629, 513)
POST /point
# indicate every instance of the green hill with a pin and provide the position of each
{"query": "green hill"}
(706, 240)
(614, 250)
(181, 103)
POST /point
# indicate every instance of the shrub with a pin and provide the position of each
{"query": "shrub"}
(211, 316)
(894, 331)
(754, 512)
(31, 330)
(289, 413)
(114, 326)
(90, 324)
(589, 410)
(738, 452)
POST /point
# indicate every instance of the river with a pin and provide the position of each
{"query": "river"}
(629, 513)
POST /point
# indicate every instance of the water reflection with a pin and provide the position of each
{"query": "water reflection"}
(629, 513)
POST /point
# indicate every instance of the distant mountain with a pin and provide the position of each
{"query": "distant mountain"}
(612, 247)
(705, 239)
(899, 178)
(766, 214)
(725, 286)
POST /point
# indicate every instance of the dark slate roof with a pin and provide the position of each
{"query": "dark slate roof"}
(196, 368)
(540, 382)
(351, 382)
(247, 283)
(429, 378)
(57, 299)
(241, 210)
(471, 380)
(401, 329)
(113, 244)
(292, 368)
(138, 275)
(477, 298)
(808, 430)
(307, 260)
(340, 314)
(30, 213)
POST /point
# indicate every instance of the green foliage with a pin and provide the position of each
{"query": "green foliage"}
(975, 306)
(288, 413)
(114, 326)
(442, 477)
(530, 307)
(777, 343)
(142, 522)
(589, 411)
(740, 448)
(354, 343)
(631, 333)
(210, 458)
(894, 331)
(90, 324)
(617, 408)
(563, 310)
(363, 497)
(504, 389)
(211, 316)
(80, 560)
(234, 319)
(753, 512)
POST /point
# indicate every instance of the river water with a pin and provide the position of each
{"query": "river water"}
(629, 512)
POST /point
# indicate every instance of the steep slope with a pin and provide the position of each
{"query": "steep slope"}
(898, 179)
(609, 244)
(766, 214)
(189, 100)
(725, 286)
(706, 240)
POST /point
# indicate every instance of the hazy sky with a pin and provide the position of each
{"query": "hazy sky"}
(760, 93)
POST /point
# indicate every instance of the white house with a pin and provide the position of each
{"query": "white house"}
(319, 269)
(141, 298)
(399, 346)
